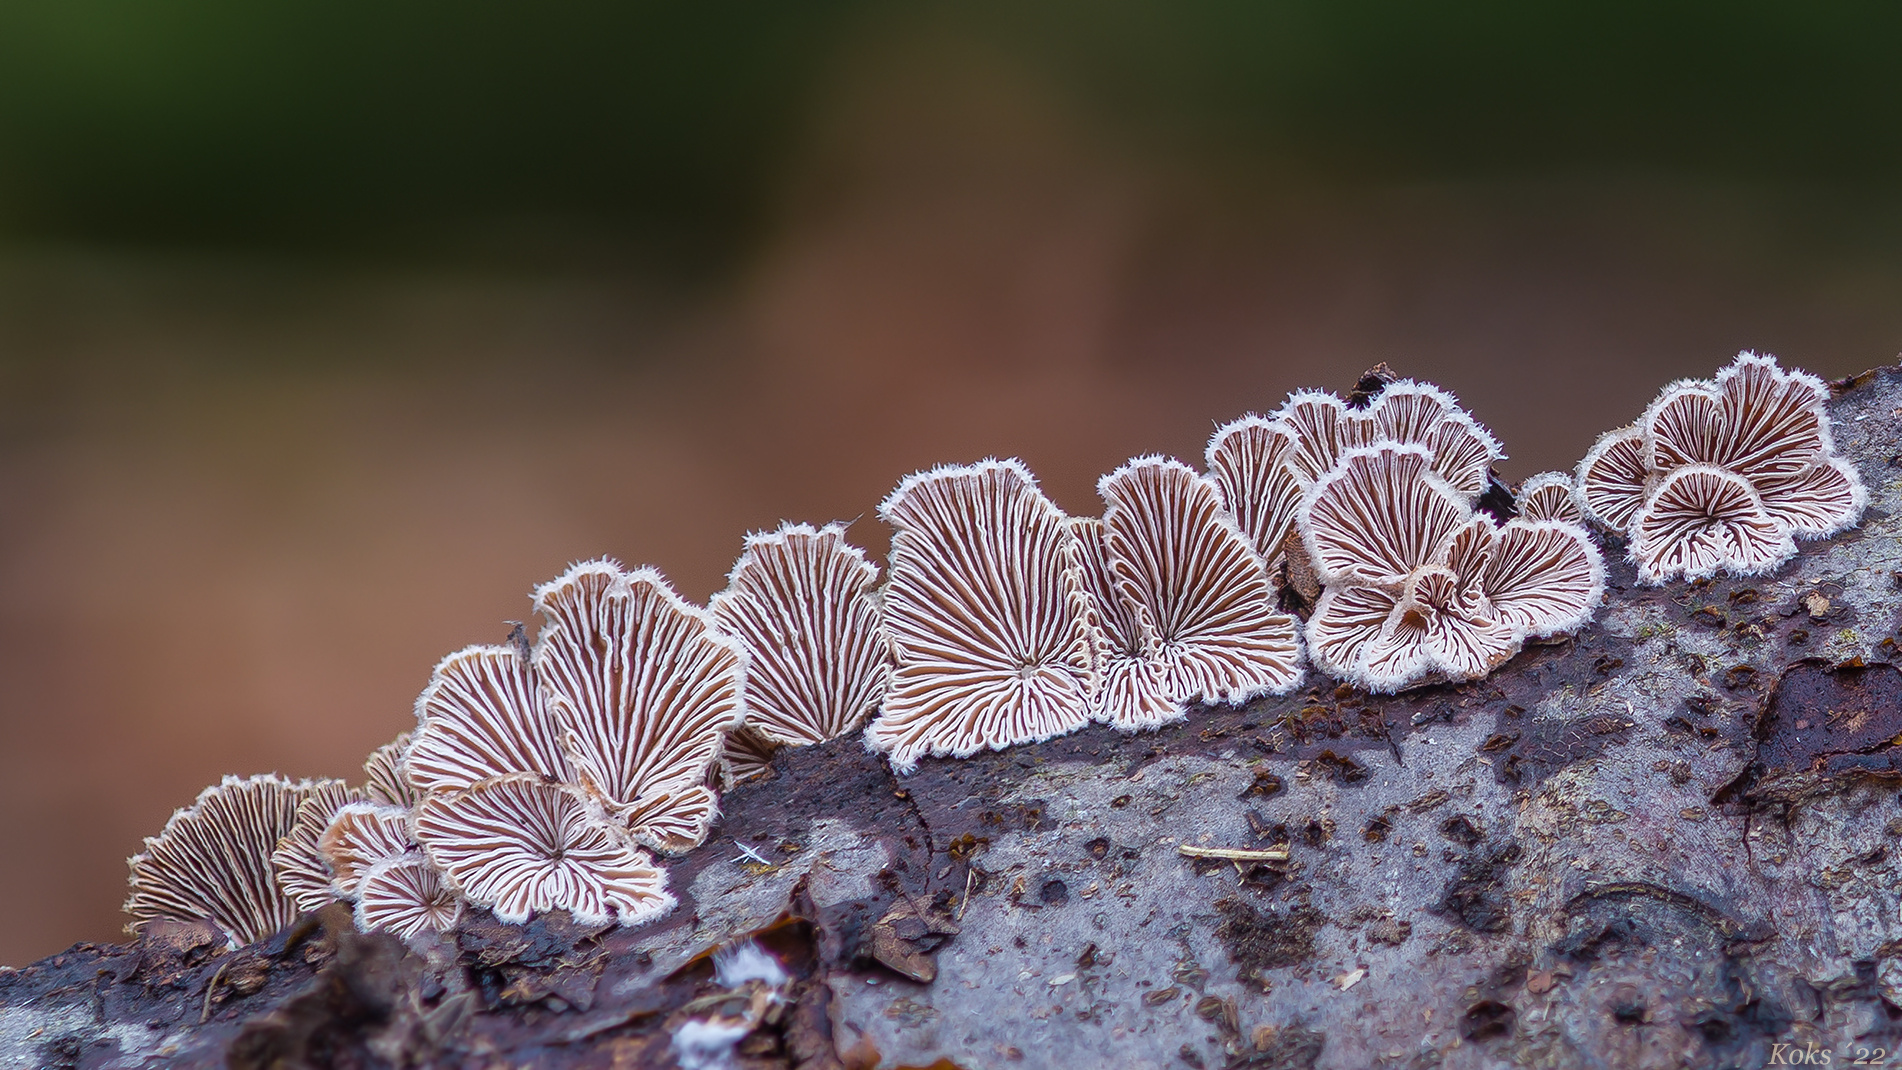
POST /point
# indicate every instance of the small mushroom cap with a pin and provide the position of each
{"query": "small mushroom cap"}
(1549, 496)
(803, 605)
(521, 845)
(385, 778)
(298, 862)
(1380, 514)
(1614, 476)
(1174, 554)
(1702, 520)
(1248, 459)
(990, 626)
(645, 689)
(1409, 412)
(482, 716)
(1543, 578)
(361, 836)
(405, 896)
(213, 860)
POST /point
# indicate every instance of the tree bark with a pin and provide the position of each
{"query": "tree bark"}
(1670, 841)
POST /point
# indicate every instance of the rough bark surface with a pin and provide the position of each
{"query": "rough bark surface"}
(1672, 841)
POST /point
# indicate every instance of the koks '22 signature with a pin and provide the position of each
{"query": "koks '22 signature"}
(1812, 1055)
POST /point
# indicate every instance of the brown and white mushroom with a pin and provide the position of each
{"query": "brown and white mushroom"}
(483, 715)
(1174, 555)
(405, 896)
(1702, 520)
(297, 860)
(990, 626)
(1132, 693)
(361, 836)
(212, 861)
(385, 780)
(1249, 461)
(1758, 439)
(645, 689)
(1548, 496)
(803, 605)
(521, 845)
(1420, 588)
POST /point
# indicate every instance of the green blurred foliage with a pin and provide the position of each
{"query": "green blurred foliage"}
(364, 126)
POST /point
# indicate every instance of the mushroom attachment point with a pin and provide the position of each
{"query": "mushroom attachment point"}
(213, 860)
(989, 622)
(645, 690)
(521, 845)
(802, 603)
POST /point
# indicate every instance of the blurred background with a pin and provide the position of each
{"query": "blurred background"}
(328, 327)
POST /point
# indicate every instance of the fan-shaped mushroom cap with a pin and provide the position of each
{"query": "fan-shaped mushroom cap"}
(1701, 520)
(385, 779)
(1321, 427)
(1380, 514)
(1408, 412)
(645, 689)
(521, 845)
(482, 716)
(802, 604)
(298, 862)
(405, 896)
(1132, 693)
(1548, 496)
(1543, 578)
(1613, 477)
(990, 626)
(1248, 459)
(1174, 554)
(360, 836)
(1755, 420)
(213, 860)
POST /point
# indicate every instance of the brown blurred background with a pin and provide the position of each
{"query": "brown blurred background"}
(327, 329)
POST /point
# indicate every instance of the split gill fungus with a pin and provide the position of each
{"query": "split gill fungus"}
(558, 775)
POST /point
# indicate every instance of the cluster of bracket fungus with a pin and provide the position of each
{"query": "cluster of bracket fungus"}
(1723, 475)
(548, 777)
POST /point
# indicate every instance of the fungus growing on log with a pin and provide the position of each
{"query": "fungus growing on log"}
(990, 627)
(748, 756)
(802, 604)
(1192, 578)
(521, 845)
(1723, 475)
(1419, 588)
(213, 860)
(645, 689)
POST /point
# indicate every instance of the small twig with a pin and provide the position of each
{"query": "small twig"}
(1236, 854)
(748, 852)
(970, 874)
(205, 1014)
